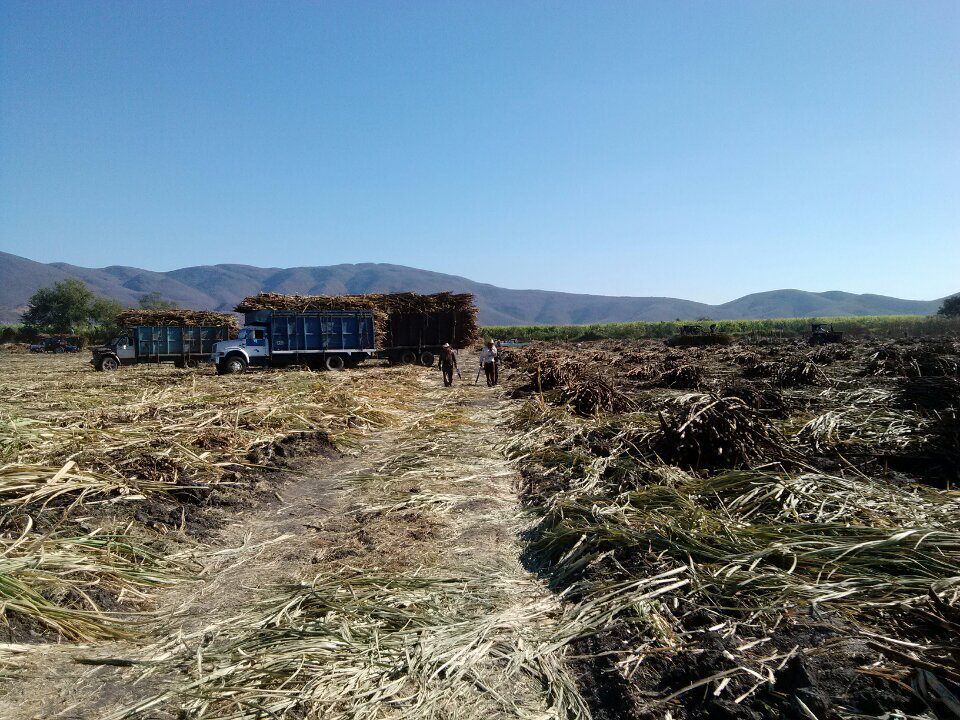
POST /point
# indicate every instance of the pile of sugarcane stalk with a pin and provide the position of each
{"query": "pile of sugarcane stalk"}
(177, 317)
(802, 372)
(682, 377)
(758, 395)
(937, 394)
(705, 430)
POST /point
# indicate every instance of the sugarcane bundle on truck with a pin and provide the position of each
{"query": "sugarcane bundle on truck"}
(183, 337)
(337, 331)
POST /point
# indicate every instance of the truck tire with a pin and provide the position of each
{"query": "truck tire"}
(427, 358)
(354, 360)
(107, 364)
(191, 363)
(334, 362)
(232, 366)
(58, 351)
(408, 358)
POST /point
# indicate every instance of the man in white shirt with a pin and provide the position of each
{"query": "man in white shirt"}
(488, 360)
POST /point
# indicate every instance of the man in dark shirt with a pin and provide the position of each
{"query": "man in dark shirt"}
(448, 363)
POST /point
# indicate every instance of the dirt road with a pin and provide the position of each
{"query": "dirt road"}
(396, 568)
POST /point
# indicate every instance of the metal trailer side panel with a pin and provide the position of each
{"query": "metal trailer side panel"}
(421, 330)
(168, 342)
(313, 332)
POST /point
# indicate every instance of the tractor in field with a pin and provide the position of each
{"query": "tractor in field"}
(820, 334)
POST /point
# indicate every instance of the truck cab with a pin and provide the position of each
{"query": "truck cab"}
(251, 347)
(329, 339)
(117, 352)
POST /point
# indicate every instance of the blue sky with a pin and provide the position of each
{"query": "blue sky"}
(690, 149)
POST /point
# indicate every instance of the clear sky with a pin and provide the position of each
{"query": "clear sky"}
(691, 149)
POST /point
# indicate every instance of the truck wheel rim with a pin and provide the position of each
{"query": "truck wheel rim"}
(109, 364)
(235, 366)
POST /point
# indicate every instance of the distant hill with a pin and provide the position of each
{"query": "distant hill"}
(219, 287)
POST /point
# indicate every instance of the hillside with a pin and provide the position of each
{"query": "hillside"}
(219, 287)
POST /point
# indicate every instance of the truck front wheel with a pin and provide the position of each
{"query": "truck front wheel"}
(334, 362)
(427, 358)
(107, 364)
(232, 366)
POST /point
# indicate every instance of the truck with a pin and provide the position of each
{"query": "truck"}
(330, 339)
(338, 331)
(56, 345)
(186, 346)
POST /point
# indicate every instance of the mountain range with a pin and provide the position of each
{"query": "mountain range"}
(220, 287)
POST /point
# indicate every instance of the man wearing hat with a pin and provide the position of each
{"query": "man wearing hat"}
(448, 363)
(488, 361)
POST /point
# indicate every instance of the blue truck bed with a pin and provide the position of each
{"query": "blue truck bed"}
(167, 342)
(313, 332)
(183, 345)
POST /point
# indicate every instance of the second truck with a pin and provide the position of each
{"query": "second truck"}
(335, 332)
(182, 337)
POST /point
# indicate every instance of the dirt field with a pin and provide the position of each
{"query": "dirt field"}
(623, 530)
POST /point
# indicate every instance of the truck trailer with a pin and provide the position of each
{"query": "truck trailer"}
(332, 339)
(183, 345)
(402, 328)
(416, 337)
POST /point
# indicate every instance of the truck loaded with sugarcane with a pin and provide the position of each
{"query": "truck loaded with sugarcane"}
(183, 337)
(335, 332)
(317, 331)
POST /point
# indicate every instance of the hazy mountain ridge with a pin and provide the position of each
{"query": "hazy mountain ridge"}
(219, 287)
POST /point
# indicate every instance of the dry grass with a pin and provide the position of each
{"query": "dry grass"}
(80, 450)
(666, 521)
(361, 645)
(162, 424)
(872, 557)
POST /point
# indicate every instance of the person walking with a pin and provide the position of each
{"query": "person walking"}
(448, 364)
(488, 360)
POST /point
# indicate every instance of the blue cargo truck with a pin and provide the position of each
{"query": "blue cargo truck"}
(183, 345)
(332, 339)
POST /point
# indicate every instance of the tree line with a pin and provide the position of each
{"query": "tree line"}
(70, 307)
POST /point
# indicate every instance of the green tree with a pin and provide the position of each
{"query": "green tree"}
(154, 301)
(69, 306)
(104, 311)
(951, 306)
